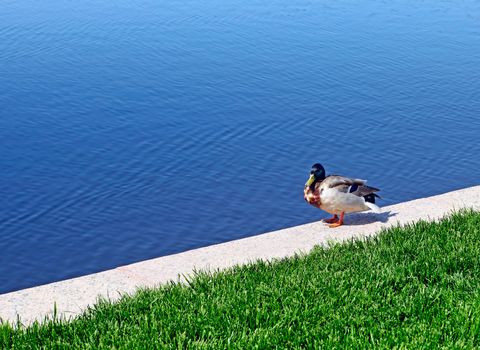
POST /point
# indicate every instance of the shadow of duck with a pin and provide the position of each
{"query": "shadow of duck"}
(368, 218)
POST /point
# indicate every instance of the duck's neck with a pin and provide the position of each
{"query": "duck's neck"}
(314, 184)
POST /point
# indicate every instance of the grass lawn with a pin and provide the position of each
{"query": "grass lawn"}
(410, 287)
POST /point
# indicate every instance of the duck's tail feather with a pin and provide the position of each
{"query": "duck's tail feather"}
(373, 207)
(371, 197)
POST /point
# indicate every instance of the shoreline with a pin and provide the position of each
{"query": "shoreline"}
(69, 298)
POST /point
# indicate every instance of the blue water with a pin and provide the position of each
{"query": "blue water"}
(135, 129)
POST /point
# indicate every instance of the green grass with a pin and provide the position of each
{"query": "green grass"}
(411, 287)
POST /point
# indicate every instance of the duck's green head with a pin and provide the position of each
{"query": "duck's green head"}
(316, 174)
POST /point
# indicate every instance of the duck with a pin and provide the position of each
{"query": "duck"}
(338, 195)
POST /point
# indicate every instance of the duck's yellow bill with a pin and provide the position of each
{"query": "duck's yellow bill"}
(310, 180)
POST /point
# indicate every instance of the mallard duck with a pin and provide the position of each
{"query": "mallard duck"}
(338, 195)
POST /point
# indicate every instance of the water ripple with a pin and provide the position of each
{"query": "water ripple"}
(139, 129)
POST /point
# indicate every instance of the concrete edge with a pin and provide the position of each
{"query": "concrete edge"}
(71, 297)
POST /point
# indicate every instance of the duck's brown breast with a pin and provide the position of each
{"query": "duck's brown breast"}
(312, 197)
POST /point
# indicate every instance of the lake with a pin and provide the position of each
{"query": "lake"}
(135, 129)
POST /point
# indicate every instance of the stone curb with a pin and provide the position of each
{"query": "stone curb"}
(71, 297)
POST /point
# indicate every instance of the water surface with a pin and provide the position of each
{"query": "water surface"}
(135, 129)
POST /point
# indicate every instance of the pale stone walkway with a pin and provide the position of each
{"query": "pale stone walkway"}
(73, 296)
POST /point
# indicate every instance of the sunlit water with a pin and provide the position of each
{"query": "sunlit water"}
(135, 129)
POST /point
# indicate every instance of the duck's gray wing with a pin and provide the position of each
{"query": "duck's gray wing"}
(344, 184)
(333, 181)
(363, 191)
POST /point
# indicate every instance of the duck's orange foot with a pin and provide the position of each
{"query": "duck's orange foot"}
(331, 220)
(339, 222)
